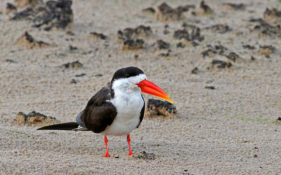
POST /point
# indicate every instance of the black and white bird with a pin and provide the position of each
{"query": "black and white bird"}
(116, 109)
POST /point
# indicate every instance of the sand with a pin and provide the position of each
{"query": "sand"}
(232, 129)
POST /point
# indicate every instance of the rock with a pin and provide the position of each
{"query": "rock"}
(34, 119)
(165, 54)
(28, 3)
(10, 8)
(214, 50)
(205, 9)
(219, 28)
(221, 64)
(185, 8)
(73, 65)
(10, 61)
(234, 7)
(266, 29)
(145, 156)
(272, 16)
(27, 41)
(140, 32)
(73, 81)
(132, 44)
(233, 56)
(159, 107)
(247, 46)
(180, 45)
(195, 70)
(80, 75)
(24, 15)
(51, 15)
(165, 13)
(98, 36)
(72, 48)
(160, 44)
(266, 50)
(180, 34)
(149, 11)
(188, 38)
(210, 87)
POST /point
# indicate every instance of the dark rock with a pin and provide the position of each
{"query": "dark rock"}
(205, 9)
(235, 7)
(266, 50)
(185, 8)
(159, 107)
(195, 70)
(73, 81)
(233, 56)
(179, 34)
(34, 119)
(266, 29)
(255, 156)
(72, 48)
(70, 33)
(272, 16)
(165, 54)
(180, 45)
(145, 156)
(214, 50)
(53, 14)
(160, 44)
(249, 47)
(73, 65)
(135, 33)
(28, 3)
(210, 87)
(80, 75)
(221, 64)
(10, 61)
(219, 28)
(10, 8)
(149, 10)
(191, 37)
(27, 41)
(98, 75)
(132, 44)
(98, 36)
(166, 13)
(23, 15)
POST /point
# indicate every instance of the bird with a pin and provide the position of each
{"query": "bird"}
(116, 109)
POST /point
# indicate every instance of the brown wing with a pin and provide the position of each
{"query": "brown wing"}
(99, 113)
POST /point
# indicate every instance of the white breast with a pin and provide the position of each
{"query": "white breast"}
(128, 106)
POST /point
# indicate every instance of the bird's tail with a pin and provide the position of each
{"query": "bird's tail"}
(61, 126)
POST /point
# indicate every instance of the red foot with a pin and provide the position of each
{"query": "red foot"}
(129, 143)
(106, 155)
(105, 141)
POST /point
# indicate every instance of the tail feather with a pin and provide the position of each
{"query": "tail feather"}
(61, 126)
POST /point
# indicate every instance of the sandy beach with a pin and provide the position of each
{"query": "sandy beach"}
(227, 119)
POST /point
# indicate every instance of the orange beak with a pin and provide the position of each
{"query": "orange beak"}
(150, 88)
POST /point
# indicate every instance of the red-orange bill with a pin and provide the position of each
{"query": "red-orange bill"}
(150, 88)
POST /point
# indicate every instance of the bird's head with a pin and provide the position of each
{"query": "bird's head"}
(132, 79)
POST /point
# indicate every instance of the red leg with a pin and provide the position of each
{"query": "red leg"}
(129, 143)
(105, 141)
